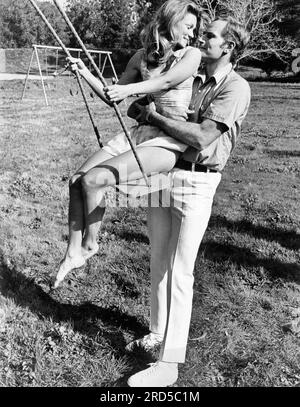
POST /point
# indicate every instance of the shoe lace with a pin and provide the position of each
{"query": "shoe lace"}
(152, 366)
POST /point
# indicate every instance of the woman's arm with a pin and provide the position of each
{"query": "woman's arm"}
(132, 71)
(181, 71)
(131, 74)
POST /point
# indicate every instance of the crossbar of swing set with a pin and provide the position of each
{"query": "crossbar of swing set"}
(78, 50)
(96, 51)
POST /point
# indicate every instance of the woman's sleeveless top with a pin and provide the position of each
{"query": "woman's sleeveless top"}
(175, 101)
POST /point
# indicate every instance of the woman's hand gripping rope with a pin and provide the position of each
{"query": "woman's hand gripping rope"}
(76, 64)
(117, 93)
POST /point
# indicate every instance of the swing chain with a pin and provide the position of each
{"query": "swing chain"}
(58, 73)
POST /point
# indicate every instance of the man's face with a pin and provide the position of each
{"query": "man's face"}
(213, 43)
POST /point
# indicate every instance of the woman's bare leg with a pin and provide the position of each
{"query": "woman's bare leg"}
(77, 250)
(122, 168)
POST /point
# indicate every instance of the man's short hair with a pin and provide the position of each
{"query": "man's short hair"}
(236, 32)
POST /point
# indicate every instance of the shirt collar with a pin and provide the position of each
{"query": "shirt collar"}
(218, 76)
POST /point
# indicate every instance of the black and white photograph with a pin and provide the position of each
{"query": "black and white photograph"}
(149, 197)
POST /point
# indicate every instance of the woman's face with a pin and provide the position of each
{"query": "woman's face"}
(184, 29)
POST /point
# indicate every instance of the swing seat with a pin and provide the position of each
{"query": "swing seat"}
(138, 188)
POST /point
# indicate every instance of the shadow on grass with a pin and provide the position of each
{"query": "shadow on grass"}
(244, 257)
(125, 287)
(272, 79)
(132, 236)
(25, 292)
(287, 239)
(282, 153)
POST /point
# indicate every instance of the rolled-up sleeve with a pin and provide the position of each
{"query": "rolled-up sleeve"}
(232, 102)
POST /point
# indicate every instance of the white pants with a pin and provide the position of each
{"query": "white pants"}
(177, 220)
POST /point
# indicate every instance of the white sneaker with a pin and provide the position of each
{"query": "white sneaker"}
(159, 374)
(147, 343)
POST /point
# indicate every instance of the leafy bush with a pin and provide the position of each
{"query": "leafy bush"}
(20, 25)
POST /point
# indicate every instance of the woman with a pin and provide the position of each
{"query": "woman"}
(166, 66)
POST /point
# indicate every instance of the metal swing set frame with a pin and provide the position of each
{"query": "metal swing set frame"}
(35, 48)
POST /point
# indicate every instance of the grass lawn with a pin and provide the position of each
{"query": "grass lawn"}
(246, 277)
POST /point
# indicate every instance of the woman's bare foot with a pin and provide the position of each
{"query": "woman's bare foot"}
(68, 264)
(89, 251)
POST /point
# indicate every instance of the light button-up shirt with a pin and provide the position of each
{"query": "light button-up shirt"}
(224, 98)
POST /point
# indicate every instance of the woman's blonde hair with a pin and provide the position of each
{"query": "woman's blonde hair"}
(159, 37)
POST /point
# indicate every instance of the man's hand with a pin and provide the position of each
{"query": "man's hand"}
(140, 110)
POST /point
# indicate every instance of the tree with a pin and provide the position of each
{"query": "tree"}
(116, 18)
(143, 11)
(20, 26)
(105, 24)
(111, 23)
(86, 16)
(290, 17)
(261, 18)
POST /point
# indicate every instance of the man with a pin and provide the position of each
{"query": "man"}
(220, 102)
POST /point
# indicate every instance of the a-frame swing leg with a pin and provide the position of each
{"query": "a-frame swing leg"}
(40, 71)
(99, 62)
(27, 76)
(113, 68)
(104, 63)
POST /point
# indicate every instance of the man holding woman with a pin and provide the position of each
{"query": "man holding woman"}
(219, 103)
(163, 69)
